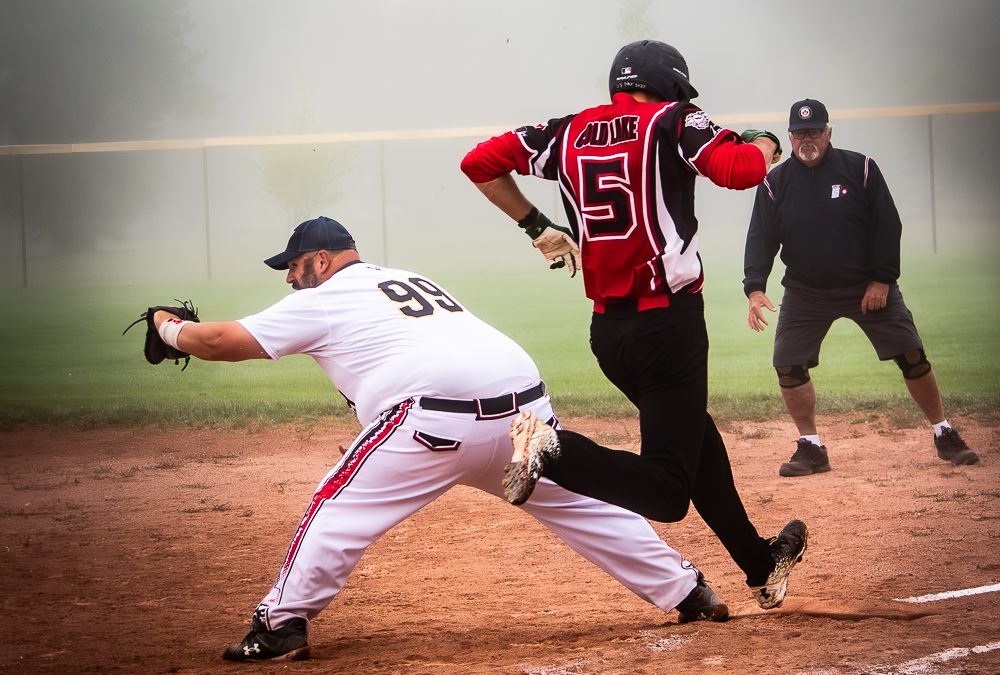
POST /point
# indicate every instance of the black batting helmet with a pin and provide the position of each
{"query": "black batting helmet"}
(651, 65)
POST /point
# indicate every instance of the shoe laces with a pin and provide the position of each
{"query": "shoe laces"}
(806, 450)
(951, 438)
(784, 545)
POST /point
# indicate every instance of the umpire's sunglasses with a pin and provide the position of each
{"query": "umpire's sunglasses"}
(801, 134)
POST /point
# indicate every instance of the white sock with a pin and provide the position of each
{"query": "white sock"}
(940, 426)
(812, 438)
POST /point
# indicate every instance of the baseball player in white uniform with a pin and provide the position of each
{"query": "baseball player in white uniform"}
(435, 389)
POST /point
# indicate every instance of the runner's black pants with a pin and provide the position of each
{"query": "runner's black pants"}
(659, 359)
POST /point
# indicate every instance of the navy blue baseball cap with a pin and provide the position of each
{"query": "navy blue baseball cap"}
(808, 114)
(318, 234)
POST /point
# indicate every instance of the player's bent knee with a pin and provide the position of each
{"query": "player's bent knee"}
(792, 376)
(673, 512)
(913, 363)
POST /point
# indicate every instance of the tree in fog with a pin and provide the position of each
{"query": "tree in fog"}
(76, 71)
(304, 178)
(634, 22)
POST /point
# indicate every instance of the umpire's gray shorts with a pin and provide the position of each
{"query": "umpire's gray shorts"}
(806, 314)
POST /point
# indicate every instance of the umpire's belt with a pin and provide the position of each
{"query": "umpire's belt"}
(486, 408)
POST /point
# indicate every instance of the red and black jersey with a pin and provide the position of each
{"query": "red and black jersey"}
(626, 173)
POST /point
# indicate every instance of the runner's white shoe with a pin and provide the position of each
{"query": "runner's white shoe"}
(535, 443)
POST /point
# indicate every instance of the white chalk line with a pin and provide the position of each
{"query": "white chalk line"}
(947, 595)
(926, 664)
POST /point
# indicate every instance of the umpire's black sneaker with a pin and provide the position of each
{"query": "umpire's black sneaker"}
(535, 444)
(287, 643)
(786, 550)
(952, 448)
(701, 604)
(808, 458)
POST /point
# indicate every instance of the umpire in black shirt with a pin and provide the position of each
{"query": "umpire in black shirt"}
(830, 213)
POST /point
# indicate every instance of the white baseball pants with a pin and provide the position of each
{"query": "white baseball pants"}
(408, 457)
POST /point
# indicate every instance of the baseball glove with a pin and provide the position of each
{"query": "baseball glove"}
(750, 135)
(155, 349)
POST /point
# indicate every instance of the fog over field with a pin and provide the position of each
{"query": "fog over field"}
(86, 71)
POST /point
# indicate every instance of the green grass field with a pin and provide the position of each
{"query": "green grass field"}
(64, 360)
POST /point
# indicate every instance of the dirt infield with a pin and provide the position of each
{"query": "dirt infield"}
(145, 551)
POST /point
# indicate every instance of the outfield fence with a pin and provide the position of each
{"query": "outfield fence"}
(213, 207)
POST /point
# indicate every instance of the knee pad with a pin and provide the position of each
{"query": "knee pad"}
(792, 376)
(913, 363)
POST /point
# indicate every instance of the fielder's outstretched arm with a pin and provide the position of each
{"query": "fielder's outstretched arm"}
(211, 340)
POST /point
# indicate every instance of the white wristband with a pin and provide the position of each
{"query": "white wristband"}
(170, 329)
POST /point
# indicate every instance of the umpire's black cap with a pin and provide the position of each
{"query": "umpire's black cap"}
(808, 114)
(318, 234)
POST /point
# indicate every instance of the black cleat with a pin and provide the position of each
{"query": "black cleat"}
(701, 604)
(952, 448)
(287, 643)
(808, 458)
(786, 551)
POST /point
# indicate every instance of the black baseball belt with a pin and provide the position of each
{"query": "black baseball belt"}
(486, 408)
